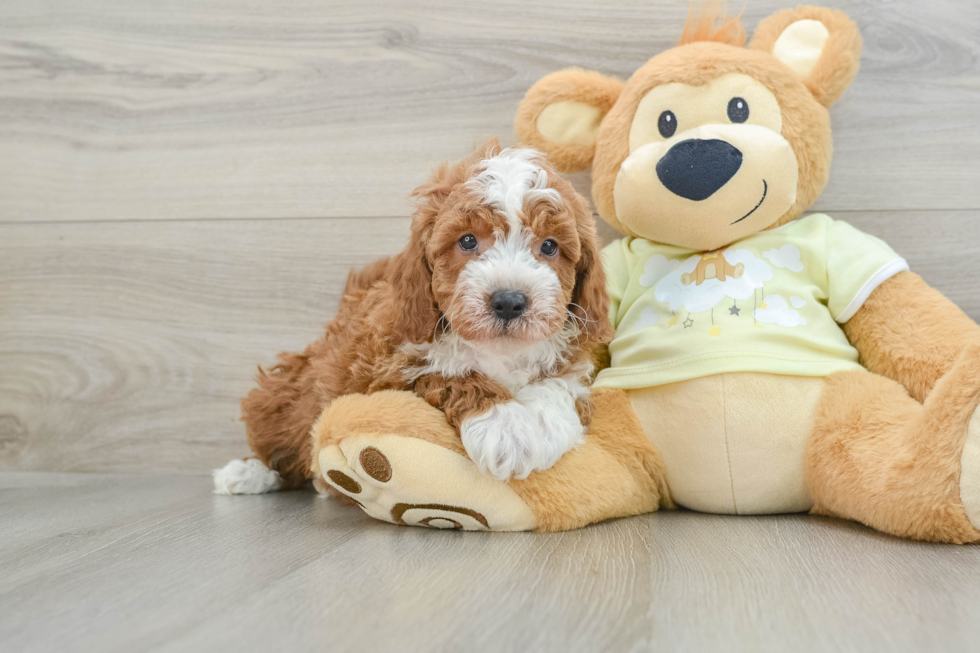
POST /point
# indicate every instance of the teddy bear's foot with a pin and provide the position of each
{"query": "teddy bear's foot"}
(907, 468)
(368, 448)
(407, 481)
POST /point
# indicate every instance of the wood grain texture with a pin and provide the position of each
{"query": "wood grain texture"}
(114, 563)
(118, 110)
(126, 346)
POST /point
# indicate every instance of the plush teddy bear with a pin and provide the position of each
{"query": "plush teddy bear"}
(763, 362)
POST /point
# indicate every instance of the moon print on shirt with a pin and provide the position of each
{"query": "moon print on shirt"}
(735, 274)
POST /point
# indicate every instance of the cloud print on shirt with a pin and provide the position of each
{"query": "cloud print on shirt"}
(711, 292)
(787, 256)
(777, 311)
(656, 268)
(648, 317)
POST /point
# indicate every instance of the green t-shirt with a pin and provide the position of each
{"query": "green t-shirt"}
(769, 303)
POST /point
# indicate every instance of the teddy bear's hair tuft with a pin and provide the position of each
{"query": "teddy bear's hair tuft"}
(703, 25)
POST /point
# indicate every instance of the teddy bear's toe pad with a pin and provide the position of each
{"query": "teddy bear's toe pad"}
(409, 481)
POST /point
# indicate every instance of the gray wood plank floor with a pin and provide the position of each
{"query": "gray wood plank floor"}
(123, 563)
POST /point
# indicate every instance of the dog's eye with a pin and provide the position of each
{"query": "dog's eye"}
(667, 124)
(738, 110)
(549, 247)
(468, 243)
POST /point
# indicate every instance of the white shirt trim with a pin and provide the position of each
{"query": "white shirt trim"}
(886, 272)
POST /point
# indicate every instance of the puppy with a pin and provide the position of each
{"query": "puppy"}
(492, 313)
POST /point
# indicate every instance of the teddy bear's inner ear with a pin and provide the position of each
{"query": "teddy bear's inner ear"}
(800, 45)
(820, 45)
(569, 123)
(561, 115)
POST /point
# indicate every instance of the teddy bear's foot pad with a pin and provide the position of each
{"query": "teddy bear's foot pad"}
(413, 482)
(970, 471)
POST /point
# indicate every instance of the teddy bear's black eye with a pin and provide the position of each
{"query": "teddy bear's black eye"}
(549, 247)
(667, 124)
(468, 243)
(738, 110)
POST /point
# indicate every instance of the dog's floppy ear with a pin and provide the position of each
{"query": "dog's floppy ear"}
(416, 312)
(820, 45)
(561, 114)
(590, 301)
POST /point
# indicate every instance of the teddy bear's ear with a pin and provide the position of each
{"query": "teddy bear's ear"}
(820, 45)
(561, 115)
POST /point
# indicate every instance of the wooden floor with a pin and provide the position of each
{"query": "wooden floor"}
(183, 188)
(121, 563)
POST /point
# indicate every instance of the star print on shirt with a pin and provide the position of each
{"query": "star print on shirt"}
(734, 310)
(688, 323)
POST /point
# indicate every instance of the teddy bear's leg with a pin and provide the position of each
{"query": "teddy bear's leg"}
(880, 457)
(401, 462)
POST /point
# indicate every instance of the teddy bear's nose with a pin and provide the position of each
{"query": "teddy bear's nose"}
(695, 168)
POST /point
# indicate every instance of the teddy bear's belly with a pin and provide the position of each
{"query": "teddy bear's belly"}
(733, 443)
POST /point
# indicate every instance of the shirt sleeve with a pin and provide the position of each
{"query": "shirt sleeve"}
(617, 264)
(857, 263)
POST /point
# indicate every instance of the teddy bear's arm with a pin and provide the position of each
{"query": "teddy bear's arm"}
(909, 332)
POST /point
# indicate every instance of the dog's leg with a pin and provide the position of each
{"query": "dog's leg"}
(509, 436)
(278, 414)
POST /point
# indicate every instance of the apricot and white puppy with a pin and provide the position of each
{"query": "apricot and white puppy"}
(491, 313)
(516, 276)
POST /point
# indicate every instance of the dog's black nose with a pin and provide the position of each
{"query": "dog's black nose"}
(695, 168)
(508, 304)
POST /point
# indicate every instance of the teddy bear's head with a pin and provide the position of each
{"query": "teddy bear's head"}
(708, 142)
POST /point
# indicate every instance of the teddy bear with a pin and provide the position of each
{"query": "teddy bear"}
(764, 361)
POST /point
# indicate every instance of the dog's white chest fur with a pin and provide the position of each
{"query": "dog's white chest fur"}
(511, 365)
(530, 432)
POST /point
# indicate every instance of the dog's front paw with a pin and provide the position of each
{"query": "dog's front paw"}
(515, 438)
(504, 441)
(552, 405)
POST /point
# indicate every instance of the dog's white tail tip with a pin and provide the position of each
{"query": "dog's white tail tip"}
(247, 476)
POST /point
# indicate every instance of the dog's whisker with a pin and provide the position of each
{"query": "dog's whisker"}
(578, 319)
(584, 312)
(445, 325)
